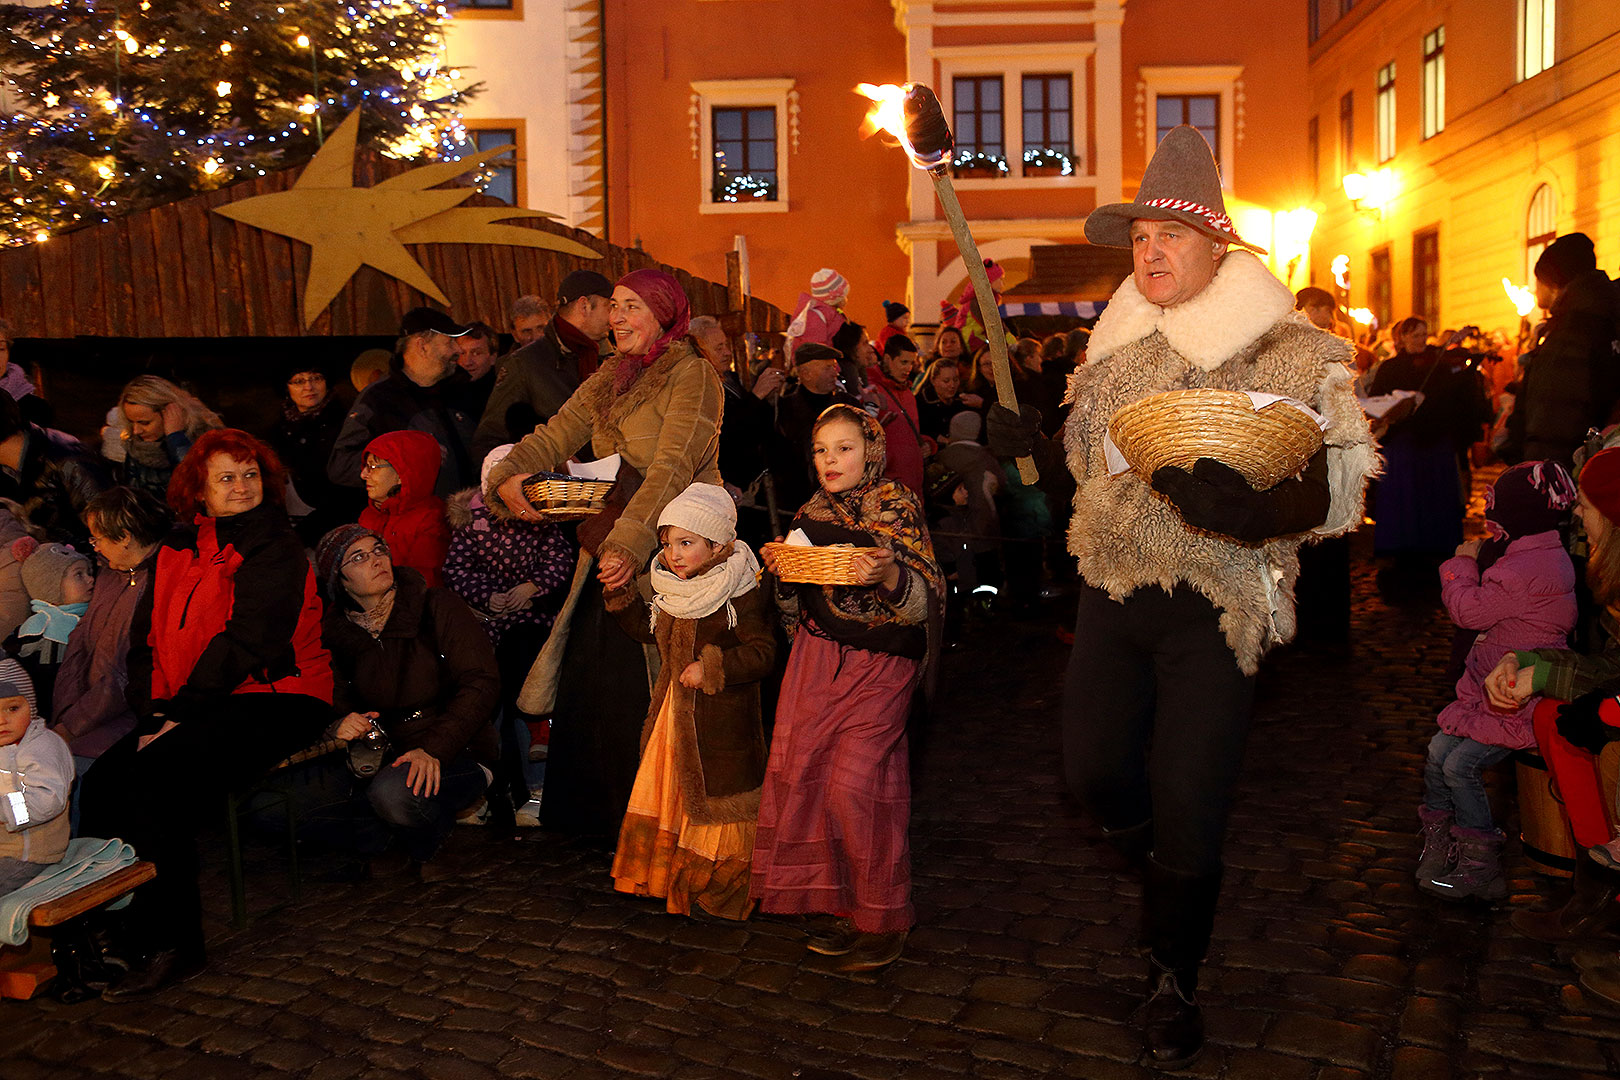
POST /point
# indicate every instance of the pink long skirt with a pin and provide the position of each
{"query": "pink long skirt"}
(836, 806)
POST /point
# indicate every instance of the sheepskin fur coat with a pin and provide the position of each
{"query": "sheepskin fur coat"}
(1240, 333)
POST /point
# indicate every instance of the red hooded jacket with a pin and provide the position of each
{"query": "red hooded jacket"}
(411, 521)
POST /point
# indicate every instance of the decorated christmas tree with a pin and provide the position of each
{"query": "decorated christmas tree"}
(114, 106)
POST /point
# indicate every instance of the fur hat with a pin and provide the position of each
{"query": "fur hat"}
(14, 682)
(705, 509)
(44, 566)
(1600, 482)
(1181, 183)
(1565, 259)
(893, 309)
(829, 286)
(329, 554)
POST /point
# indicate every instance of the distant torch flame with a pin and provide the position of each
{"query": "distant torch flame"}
(888, 115)
(1362, 316)
(1524, 301)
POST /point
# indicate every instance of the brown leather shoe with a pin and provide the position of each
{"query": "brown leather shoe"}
(1603, 979)
(832, 937)
(1586, 958)
(874, 951)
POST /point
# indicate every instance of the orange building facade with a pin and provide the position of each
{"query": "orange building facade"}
(1469, 133)
(733, 124)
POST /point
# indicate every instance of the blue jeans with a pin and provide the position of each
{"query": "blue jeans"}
(1451, 778)
(423, 821)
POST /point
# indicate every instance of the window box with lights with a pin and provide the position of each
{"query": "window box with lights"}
(978, 166)
(1024, 105)
(1044, 161)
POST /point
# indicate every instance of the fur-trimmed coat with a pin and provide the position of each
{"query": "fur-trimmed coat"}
(719, 739)
(1239, 333)
(666, 427)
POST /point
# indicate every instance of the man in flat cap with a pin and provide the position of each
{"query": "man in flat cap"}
(1188, 579)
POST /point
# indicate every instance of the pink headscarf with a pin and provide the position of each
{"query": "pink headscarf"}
(667, 301)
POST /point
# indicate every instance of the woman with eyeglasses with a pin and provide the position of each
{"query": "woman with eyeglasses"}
(412, 660)
(227, 676)
(311, 417)
(399, 471)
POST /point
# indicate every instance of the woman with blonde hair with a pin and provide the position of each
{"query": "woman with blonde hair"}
(156, 423)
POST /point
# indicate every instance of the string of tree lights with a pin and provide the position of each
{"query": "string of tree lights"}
(117, 106)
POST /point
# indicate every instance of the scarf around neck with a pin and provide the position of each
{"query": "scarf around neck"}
(700, 596)
(887, 511)
(373, 621)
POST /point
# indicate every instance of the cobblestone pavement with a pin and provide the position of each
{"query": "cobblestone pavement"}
(1327, 962)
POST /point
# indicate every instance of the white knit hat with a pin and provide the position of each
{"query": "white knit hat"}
(705, 509)
(828, 286)
(492, 459)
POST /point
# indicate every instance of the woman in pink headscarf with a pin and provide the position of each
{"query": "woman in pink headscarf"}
(656, 403)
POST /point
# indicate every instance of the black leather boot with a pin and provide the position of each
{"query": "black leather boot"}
(1178, 918)
(1591, 910)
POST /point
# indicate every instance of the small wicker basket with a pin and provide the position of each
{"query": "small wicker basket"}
(1180, 426)
(816, 565)
(561, 497)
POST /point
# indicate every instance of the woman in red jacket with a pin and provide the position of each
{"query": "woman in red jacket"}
(400, 471)
(227, 676)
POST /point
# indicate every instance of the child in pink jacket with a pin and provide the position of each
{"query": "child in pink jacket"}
(1518, 589)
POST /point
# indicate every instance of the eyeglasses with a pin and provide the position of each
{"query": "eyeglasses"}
(360, 558)
(374, 465)
(307, 380)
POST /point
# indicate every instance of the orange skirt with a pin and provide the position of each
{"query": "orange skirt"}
(661, 853)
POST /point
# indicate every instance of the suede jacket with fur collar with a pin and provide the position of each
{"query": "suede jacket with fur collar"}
(1239, 333)
(666, 427)
(719, 739)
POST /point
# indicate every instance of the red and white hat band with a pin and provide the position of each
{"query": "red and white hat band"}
(1217, 220)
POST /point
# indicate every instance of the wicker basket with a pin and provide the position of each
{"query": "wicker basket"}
(1180, 426)
(565, 497)
(816, 565)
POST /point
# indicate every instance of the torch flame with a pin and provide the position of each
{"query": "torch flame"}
(888, 115)
(1524, 301)
(1362, 315)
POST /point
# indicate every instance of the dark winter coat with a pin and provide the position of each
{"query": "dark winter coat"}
(303, 442)
(531, 385)
(719, 740)
(154, 479)
(398, 404)
(792, 467)
(54, 479)
(233, 609)
(745, 434)
(431, 656)
(411, 521)
(90, 709)
(488, 556)
(1572, 379)
(934, 415)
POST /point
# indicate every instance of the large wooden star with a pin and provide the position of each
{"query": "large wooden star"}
(348, 227)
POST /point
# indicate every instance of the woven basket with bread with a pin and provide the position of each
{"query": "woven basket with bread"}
(832, 565)
(1267, 445)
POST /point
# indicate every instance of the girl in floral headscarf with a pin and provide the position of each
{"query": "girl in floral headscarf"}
(837, 798)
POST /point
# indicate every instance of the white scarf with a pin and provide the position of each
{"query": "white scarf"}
(716, 587)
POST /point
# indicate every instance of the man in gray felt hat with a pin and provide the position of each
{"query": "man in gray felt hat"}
(1188, 578)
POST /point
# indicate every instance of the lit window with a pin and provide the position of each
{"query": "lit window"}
(1537, 22)
(1313, 150)
(744, 155)
(743, 134)
(499, 177)
(1048, 125)
(1434, 82)
(1384, 127)
(980, 143)
(1426, 276)
(1202, 111)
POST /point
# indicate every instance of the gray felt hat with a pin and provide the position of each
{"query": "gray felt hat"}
(1181, 183)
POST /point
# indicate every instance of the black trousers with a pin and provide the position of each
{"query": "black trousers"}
(157, 799)
(1155, 718)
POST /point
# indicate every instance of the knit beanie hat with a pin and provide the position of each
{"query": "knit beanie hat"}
(492, 459)
(966, 426)
(44, 566)
(329, 554)
(893, 309)
(705, 509)
(829, 286)
(14, 682)
(1532, 497)
(1600, 482)
(1565, 259)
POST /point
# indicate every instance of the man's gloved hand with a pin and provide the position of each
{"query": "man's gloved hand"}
(1580, 724)
(1216, 498)
(1010, 434)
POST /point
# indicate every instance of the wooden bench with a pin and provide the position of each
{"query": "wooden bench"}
(24, 969)
(234, 800)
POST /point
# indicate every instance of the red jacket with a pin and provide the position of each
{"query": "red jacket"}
(411, 521)
(232, 609)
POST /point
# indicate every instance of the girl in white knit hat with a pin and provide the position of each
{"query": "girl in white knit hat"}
(688, 833)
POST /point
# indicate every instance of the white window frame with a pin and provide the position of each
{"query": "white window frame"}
(1538, 37)
(1540, 220)
(1012, 63)
(1217, 79)
(710, 94)
(1434, 83)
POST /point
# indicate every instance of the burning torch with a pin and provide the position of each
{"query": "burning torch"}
(912, 114)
